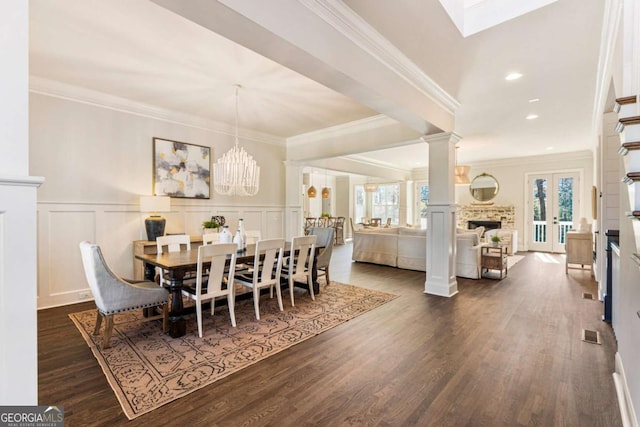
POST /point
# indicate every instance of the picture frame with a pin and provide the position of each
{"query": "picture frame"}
(181, 169)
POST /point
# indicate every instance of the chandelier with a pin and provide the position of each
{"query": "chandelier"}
(236, 173)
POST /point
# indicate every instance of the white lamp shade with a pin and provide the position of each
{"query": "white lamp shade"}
(155, 204)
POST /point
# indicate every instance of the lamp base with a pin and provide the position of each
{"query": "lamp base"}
(154, 226)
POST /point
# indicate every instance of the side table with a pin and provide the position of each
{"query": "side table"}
(494, 258)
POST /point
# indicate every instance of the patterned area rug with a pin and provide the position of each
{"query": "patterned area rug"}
(148, 369)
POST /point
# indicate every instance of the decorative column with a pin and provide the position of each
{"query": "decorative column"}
(18, 195)
(441, 216)
(294, 197)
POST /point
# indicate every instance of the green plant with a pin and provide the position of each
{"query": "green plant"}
(325, 214)
(495, 239)
(212, 223)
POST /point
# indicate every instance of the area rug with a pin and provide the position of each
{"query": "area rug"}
(148, 369)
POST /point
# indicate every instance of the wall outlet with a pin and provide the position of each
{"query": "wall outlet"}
(83, 295)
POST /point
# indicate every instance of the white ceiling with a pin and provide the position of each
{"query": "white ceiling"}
(140, 51)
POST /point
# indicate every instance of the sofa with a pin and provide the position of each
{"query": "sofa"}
(406, 247)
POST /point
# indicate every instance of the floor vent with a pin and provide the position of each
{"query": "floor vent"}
(592, 337)
(587, 295)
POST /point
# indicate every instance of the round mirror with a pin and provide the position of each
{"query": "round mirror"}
(484, 187)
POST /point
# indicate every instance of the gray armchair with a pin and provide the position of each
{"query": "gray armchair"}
(325, 238)
(114, 295)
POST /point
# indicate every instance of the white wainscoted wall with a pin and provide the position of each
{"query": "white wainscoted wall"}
(97, 162)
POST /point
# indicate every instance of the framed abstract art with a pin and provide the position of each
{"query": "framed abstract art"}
(181, 169)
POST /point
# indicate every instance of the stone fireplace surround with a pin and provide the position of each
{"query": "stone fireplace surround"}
(483, 212)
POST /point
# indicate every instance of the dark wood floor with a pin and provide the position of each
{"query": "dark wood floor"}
(500, 353)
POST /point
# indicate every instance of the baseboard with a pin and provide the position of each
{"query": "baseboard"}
(627, 412)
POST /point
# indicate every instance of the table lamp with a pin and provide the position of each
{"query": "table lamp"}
(155, 223)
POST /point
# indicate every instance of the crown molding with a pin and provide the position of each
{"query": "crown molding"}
(69, 92)
(351, 25)
(21, 181)
(350, 128)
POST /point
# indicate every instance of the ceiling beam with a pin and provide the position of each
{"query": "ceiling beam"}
(329, 43)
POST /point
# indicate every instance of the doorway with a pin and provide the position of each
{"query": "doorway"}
(553, 201)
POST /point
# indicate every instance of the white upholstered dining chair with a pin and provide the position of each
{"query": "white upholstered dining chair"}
(216, 281)
(325, 240)
(114, 295)
(300, 266)
(266, 273)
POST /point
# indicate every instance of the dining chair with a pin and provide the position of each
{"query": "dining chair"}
(325, 240)
(215, 280)
(339, 227)
(308, 224)
(172, 243)
(253, 236)
(299, 265)
(321, 222)
(114, 295)
(266, 273)
(209, 238)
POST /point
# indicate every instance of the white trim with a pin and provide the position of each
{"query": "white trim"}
(350, 128)
(21, 181)
(627, 413)
(65, 91)
(352, 26)
(610, 28)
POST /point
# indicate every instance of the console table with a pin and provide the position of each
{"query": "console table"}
(494, 258)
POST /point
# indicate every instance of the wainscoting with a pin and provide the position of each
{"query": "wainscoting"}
(61, 226)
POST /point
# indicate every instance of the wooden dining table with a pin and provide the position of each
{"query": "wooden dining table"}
(178, 264)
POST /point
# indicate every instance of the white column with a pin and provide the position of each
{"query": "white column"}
(441, 216)
(18, 258)
(294, 196)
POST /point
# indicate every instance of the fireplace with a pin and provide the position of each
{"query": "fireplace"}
(488, 225)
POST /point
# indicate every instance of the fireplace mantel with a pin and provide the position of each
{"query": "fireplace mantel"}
(505, 214)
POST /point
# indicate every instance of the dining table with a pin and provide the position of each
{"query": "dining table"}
(179, 264)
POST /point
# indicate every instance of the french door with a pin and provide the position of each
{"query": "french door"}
(553, 205)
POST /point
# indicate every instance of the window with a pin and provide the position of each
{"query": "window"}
(359, 210)
(422, 200)
(385, 203)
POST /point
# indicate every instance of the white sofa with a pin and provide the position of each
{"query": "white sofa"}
(406, 248)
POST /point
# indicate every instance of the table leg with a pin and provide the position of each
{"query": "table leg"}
(177, 323)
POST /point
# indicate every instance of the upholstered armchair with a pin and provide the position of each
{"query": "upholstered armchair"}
(114, 295)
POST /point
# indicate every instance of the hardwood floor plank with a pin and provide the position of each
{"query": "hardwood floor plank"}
(500, 353)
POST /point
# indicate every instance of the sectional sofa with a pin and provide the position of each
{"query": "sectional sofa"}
(406, 248)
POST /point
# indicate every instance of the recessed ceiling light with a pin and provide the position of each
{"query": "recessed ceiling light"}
(532, 100)
(549, 148)
(513, 76)
(532, 116)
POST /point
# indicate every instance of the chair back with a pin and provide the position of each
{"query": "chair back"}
(173, 243)
(252, 236)
(324, 238)
(305, 246)
(111, 293)
(270, 265)
(94, 267)
(322, 221)
(308, 224)
(217, 256)
(209, 238)
(330, 222)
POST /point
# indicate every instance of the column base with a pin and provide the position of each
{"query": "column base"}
(441, 289)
